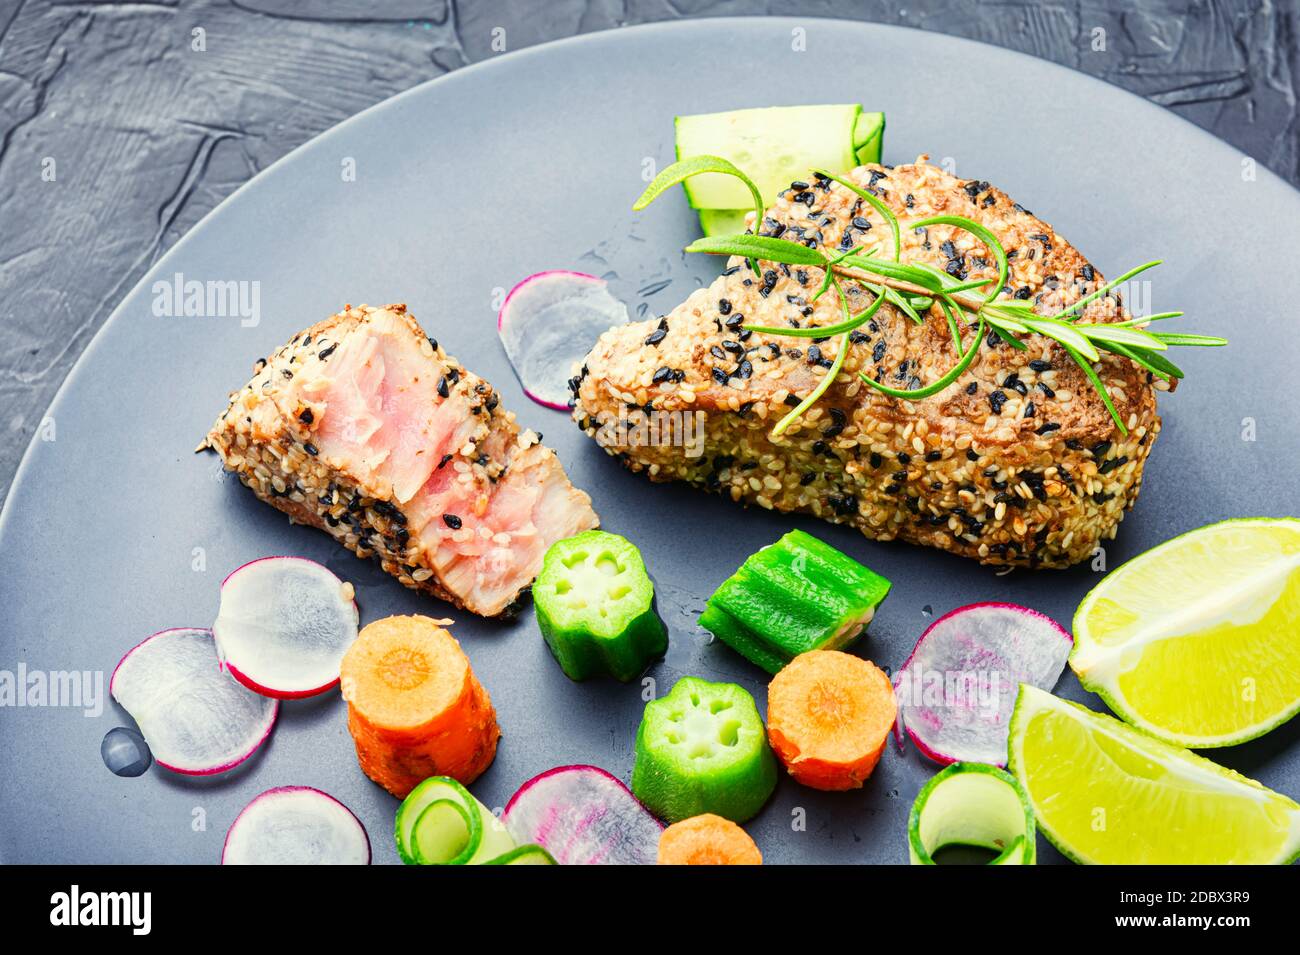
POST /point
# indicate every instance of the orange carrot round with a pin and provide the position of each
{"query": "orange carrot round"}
(828, 716)
(415, 708)
(707, 840)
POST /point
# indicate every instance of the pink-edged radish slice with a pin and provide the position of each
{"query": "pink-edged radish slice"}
(548, 323)
(284, 625)
(582, 815)
(296, 825)
(195, 718)
(958, 688)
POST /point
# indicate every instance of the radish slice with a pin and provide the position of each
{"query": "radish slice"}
(284, 625)
(548, 324)
(958, 688)
(195, 719)
(582, 815)
(296, 825)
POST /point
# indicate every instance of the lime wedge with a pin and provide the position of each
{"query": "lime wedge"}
(1104, 792)
(1197, 641)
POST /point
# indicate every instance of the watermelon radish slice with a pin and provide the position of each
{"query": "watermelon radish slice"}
(284, 625)
(958, 688)
(548, 324)
(195, 718)
(582, 815)
(296, 825)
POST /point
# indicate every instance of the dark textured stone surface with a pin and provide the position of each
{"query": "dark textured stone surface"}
(145, 132)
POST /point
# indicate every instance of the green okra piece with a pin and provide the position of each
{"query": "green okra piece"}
(793, 596)
(594, 603)
(702, 748)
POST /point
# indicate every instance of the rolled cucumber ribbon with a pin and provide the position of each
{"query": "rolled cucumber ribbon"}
(972, 804)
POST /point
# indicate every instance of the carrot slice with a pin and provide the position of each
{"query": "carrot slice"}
(828, 716)
(415, 708)
(707, 840)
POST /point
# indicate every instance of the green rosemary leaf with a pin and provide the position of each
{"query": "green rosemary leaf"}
(759, 247)
(885, 212)
(950, 311)
(1006, 335)
(1153, 362)
(1125, 336)
(831, 373)
(823, 331)
(1064, 333)
(1139, 322)
(1076, 308)
(1179, 338)
(1099, 386)
(936, 386)
(901, 303)
(684, 169)
(903, 272)
(984, 235)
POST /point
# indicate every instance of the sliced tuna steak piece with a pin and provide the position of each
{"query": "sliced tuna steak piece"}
(1016, 463)
(365, 428)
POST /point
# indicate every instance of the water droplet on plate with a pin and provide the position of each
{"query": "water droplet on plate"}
(125, 752)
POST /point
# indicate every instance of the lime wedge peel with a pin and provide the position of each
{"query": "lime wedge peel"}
(972, 804)
(1105, 792)
(1195, 641)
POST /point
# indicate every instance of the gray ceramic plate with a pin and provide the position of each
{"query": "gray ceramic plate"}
(529, 162)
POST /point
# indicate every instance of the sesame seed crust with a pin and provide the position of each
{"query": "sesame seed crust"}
(1017, 463)
(265, 437)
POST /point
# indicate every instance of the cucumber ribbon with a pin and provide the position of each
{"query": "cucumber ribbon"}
(441, 823)
(972, 804)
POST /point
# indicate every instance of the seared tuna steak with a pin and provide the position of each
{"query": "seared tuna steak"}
(1016, 463)
(364, 427)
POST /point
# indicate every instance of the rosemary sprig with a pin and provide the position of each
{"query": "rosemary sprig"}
(915, 287)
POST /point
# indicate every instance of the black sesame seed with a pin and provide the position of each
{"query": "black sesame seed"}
(452, 521)
(808, 478)
(655, 337)
(306, 416)
(720, 376)
(933, 455)
(972, 455)
(311, 449)
(1048, 427)
(904, 457)
(744, 369)
(996, 400)
(1029, 409)
(326, 352)
(663, 374)
(972, 388)
(878, 353)
(724, 306)
(443, 390)
(876, 460)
